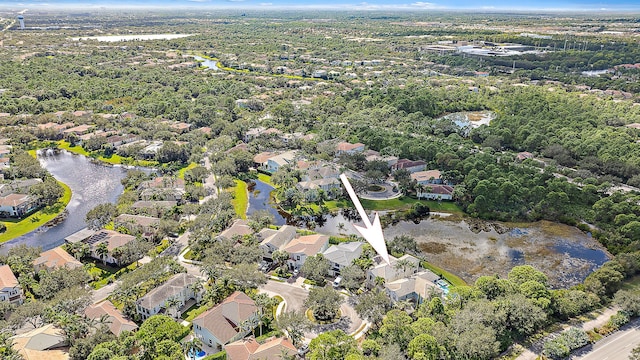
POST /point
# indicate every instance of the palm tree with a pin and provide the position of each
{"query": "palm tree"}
(250, 324)
(196, 287)
(192, 347)
(102, 251)
(172, 303)
(403, 265)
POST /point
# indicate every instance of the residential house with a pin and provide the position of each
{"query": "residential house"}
(163, 182)
(252, 134)
(179, 287)
(342, 255)
(162, 194)
(525, 155)
(226, 322)
(427, 177)
(79, 236)
(274, 163)
(409, 165)
(5, 162)
(239, 228)
(78, 130)
(416, 287)
(180, 127)
(277, 240)
(54, 259)
(250, 349)
(112, 239)
(301, 248)
(261, 159)
(372, 155)
(147, 226)
(321, 184)
(119, 140)
(150, 151)
(391, 272)
(435, 192)
(116, 321)
(16, 205)
(18, 186)
(10, 289)
(44, 343)
(349, 148)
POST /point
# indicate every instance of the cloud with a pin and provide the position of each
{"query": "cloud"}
(422, 4)
(266, 4)
(200, 1)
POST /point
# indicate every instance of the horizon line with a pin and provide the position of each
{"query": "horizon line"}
(205, 4)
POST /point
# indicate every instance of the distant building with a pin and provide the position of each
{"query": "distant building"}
(112, 239)
(349, 148)
(21, 21)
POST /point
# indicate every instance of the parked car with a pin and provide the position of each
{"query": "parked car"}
(337, 281)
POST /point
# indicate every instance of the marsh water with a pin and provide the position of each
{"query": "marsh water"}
(566, 254)
(91, 184)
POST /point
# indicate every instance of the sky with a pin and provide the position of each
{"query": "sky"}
(431, 5)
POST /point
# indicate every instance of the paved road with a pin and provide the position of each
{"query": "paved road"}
(103, 292)
(617, 346)
(293, 295)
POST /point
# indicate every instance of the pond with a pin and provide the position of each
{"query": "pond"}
(564, 253)
(91, 184)
(260, 199)
(211, 64)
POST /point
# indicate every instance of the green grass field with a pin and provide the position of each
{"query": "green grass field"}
(454, 280)
(240, 198)
(184, 170)
(405, 202)
(114, 159)
(17, 228)
(265, 179)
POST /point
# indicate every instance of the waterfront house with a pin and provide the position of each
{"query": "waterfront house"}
(10, 289)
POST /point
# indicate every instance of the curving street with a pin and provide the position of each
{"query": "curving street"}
(294, 296)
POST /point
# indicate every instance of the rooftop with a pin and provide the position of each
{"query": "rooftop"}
(168, 289)
(117, 322)
(308, 245)
(56, 258)
(7, 279)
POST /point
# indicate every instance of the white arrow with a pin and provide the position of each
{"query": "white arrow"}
(370, 232)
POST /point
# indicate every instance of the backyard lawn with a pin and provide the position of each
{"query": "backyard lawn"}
(405, 202)
(240, 198)
(19, 227)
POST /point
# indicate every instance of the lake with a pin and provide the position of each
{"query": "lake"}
(91, 184)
